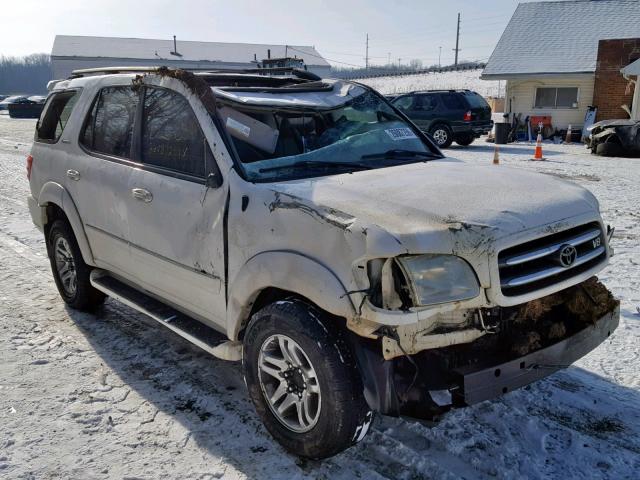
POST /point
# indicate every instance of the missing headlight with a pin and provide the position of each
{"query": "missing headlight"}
(389, 287)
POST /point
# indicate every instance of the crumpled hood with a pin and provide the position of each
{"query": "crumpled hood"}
(414, 200)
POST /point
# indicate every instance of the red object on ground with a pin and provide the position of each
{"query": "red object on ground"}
(544, 119)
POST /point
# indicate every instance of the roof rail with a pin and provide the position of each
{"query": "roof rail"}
(296, 72)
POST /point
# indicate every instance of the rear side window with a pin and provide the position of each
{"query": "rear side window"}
(171, 134)
(109, 126)
(56, 115)
(452, 101)
(475, 100)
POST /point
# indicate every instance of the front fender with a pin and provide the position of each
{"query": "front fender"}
(56, 194)
(288, 271)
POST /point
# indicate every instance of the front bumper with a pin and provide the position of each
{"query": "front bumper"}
(479, 383)
(391, 389)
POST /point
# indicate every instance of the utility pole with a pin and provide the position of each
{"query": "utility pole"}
(457, 41)
(286, 51)
(440, 57)
(366, 58)
(389, 61)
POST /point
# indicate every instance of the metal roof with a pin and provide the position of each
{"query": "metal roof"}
(560, 36)
(152, 49)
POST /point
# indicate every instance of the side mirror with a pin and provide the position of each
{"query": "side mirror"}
(214, 180)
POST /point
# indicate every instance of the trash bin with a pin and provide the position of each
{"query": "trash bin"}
(502, 132)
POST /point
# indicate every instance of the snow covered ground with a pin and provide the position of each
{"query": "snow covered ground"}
(112, 395)
(393, 85)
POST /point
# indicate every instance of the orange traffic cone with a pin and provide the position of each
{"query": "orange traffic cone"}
(568, 138)
(538, 154)
(496, 156)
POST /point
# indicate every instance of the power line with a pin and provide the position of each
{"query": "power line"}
(325, 58)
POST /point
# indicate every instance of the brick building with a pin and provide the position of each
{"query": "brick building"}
(558, 58)
(611, 90)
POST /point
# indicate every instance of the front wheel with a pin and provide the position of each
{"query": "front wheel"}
(441, 135)
(303, 380)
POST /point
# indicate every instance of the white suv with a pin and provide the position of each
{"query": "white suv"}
(308, 228)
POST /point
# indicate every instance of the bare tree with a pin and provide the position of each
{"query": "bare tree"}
(28, 74)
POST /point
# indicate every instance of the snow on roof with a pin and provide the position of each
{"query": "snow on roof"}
(145, 48)
(560, 36)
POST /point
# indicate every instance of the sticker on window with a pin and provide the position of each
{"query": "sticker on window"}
(400, 133)
(241, 128)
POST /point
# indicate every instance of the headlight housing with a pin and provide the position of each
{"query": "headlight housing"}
(437, 279)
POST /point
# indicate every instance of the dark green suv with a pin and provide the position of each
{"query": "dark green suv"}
(447, 115)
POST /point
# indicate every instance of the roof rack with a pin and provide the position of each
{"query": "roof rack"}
(296, 72)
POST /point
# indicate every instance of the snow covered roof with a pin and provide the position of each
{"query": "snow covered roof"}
(560, 36)
(632, 69)
(145, 48)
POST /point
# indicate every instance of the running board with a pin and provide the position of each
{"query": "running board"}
(188, 328)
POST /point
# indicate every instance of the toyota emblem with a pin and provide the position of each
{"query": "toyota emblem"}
(567, 255)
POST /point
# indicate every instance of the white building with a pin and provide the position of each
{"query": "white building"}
(76, 52)
(548, 55)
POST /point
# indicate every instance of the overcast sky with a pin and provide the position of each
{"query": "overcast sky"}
(405, 29)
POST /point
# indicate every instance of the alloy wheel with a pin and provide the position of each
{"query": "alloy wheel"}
(65, 266)
(440, 136)
(289, 383)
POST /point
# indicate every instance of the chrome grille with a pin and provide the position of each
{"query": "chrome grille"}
(538, 263)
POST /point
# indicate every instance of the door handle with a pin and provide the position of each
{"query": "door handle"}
(142, 195)
(73, 175)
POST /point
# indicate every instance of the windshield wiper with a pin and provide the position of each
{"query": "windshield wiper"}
(317, 163)
(391, 154)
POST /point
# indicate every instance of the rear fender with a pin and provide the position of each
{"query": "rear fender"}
(53, 193)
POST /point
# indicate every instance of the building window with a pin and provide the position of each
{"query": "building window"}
(556, 97)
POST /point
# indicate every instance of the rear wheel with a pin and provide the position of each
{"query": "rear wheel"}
(441, 135)
(70, 272)
(303, 380)
(465, 140)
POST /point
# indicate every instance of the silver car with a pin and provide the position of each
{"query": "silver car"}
(308, 228)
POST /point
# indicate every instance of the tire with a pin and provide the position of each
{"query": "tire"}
(338, 415)
(70, 272)
(441, 135)
(466, 140)
(609, 149)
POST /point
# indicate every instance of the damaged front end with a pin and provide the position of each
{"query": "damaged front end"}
(514, 347)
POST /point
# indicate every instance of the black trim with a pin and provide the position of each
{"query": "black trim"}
(225, 246)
